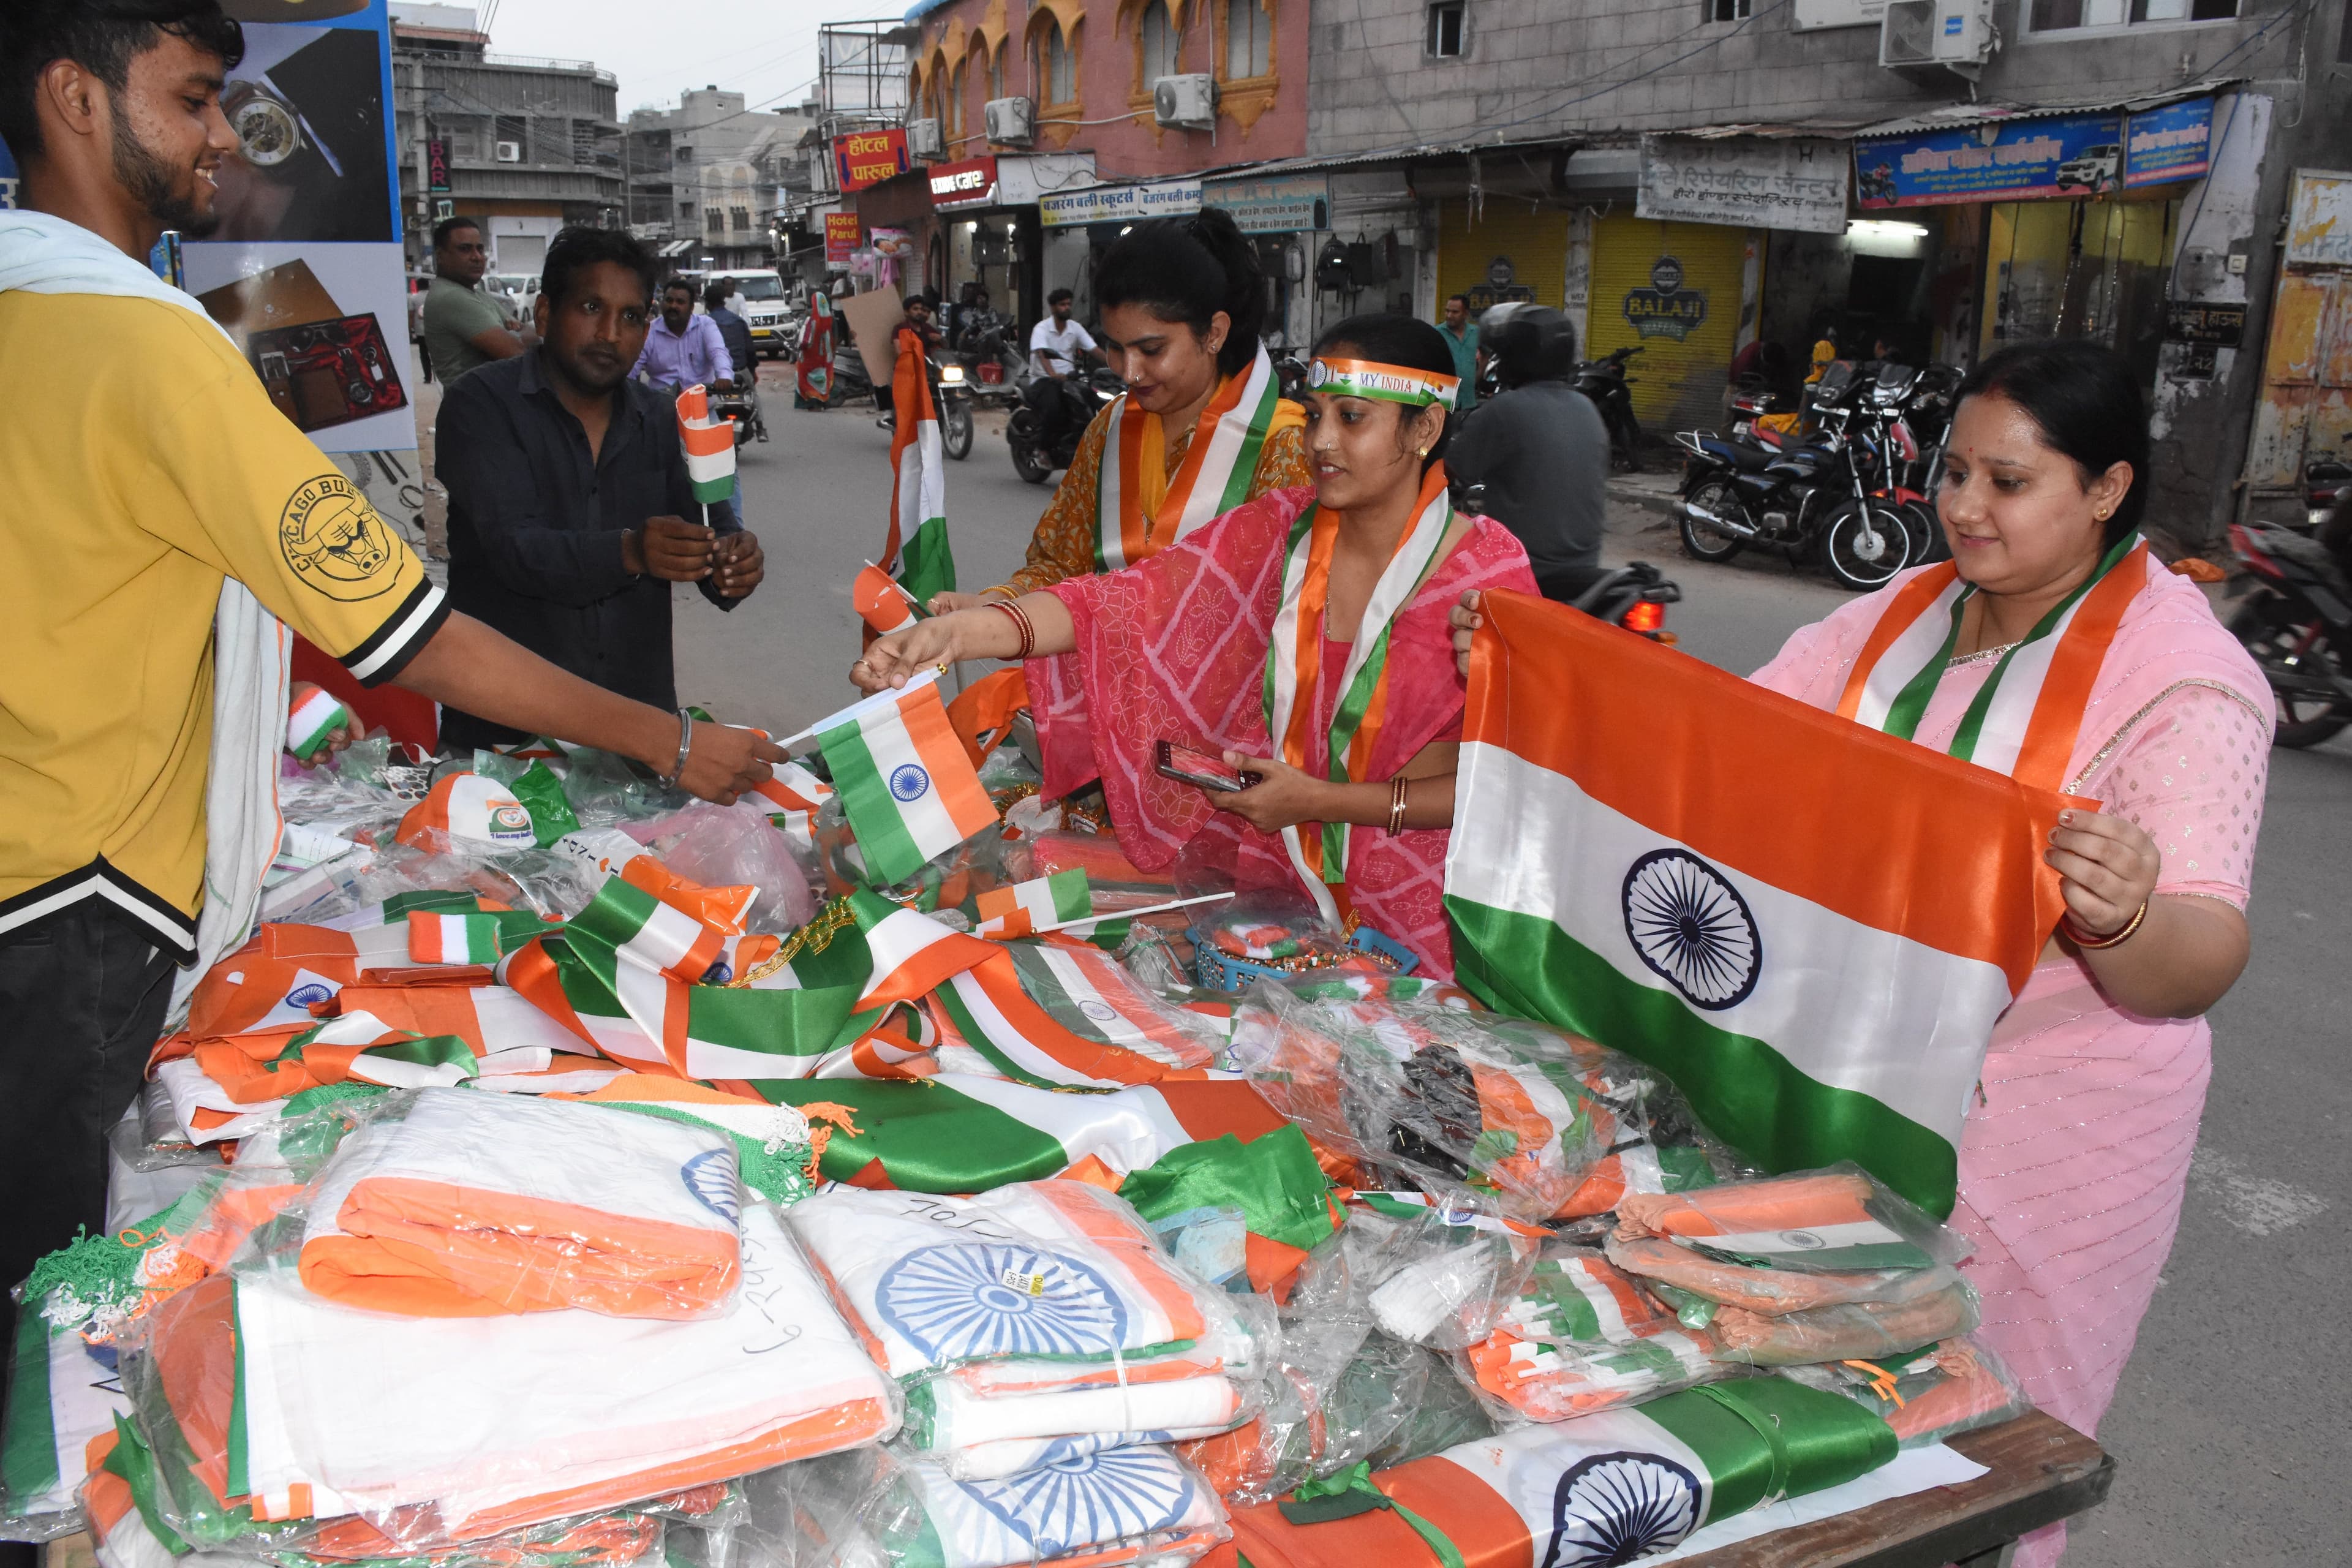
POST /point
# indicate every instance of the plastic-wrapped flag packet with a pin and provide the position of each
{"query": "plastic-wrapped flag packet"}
(1582, 1337)
(1957, 1386)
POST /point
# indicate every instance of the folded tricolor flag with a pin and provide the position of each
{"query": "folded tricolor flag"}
(1041, 901)
(907, 785)
(916, 552)
(882, 604)
(313, 719)
(1696, 901)
(709, 444)
(437, 938)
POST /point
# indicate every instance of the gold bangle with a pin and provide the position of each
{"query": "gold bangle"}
(2089, 943)
(1397, 788)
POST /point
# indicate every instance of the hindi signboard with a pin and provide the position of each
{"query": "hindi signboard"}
(841, 236)
(866, 158)
(2174, 142)
(1286, 203)
(1792, 182)
(1119, 203)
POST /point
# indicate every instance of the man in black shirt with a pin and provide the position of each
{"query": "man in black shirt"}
(1539, 450)
(569, 498)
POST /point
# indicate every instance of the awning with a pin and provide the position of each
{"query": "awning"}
(1952, 116)
(675, 247)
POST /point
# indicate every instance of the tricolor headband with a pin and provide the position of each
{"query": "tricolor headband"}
(1393, 383)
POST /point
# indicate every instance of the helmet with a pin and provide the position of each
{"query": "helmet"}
(1529, 342)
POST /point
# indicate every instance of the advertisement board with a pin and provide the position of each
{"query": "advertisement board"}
(2319, 219)
(866, 158)
(1119, 203)
(1792, 182)
(1285, 204)
(2048, 156)
(971, 182)
(2174, 142)
(842, 238)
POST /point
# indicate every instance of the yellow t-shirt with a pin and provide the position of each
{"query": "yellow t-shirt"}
(141, 461)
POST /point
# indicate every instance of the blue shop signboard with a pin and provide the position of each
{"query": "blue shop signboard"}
(2048, 156)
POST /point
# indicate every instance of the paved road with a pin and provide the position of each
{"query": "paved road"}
(2233, 1413)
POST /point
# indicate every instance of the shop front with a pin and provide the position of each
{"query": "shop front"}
(1079, 224)
(1288, 218)
(980, 240)
(1679, 293)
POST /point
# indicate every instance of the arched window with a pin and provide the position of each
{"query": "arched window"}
(1159, 41)
(1249, 39)
(1055, 68)
(996, 72)
(952, 126)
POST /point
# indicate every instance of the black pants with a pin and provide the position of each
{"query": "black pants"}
(82, 998)
(1052, 403)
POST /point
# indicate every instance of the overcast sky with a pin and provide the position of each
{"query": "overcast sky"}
(764, 50)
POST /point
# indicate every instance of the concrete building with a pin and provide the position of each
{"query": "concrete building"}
(1567, 152)
(704, 178)
(527, 145)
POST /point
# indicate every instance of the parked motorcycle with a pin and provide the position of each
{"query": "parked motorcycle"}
(2324, 480)
(1634, 595)
(1083, 397)
(1803, 497)
(1605, 381)
(2298, 623)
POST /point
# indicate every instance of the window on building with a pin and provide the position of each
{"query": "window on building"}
(713, 220)
(1446, 29)
(1249, 40)
(1727, 10)
(952, 126)
(1055, 68)
(996, 70)
(740, 219)
(684, 210)
(1158, 40)
(2066, 15)
(2344, 37)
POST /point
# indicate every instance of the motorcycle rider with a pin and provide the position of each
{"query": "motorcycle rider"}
(1058, 347)
(1539, 448)
(736, 333)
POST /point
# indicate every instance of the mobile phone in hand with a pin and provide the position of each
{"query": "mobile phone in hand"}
(1205, 770)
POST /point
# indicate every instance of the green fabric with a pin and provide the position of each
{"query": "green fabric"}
(1351, 1493)
(927, 1137)
(541, 793)
(1745, 1092)
(1275, 1180)
(1765, 1438)
(28, 1447)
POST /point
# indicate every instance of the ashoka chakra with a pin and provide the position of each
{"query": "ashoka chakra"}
(1613, 1507)
(967, 1300)
(1691, 926)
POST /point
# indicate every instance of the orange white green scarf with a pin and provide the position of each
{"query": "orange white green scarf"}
(2025, 719)
(1294, 659)
(1141, 508)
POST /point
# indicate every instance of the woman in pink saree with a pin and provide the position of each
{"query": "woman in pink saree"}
(1302, 637)
(2055, 648)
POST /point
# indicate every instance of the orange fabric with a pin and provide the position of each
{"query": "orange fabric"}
(1771, 1291)
(2065, 697)
(721, 908)
(1781, 1203)
(1907, 605)
(435, 1249)
(1213, 1108)
(1484, 1528)
(1115, 1232)
(986, 708)
(1931, 804)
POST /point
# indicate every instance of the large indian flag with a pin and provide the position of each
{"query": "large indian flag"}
(1810, 925)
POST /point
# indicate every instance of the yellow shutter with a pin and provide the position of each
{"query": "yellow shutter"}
(1680, 379)
(1535, 242)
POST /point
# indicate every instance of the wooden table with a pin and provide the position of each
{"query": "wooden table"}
(2042, 1470)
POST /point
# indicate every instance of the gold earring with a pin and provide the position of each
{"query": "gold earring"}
(1423, 453)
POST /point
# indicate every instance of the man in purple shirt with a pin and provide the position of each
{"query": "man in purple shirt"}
(683, 349)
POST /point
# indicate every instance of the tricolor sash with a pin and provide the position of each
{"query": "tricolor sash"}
(2025, 719)
(1141, 508)
(1294, 659)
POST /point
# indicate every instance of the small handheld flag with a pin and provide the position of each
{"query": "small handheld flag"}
(709, 444)
(916, 551)
(313, 720)
(907, 785)
(882, 604)
(1039, 903)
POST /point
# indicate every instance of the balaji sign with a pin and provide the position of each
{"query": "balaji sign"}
(1665, 309)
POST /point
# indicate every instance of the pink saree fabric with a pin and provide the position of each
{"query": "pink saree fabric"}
(1175, 649)
(2073, 1160)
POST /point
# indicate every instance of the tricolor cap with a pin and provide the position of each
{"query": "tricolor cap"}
(1391, 383)
(471, 807)
(311, 720)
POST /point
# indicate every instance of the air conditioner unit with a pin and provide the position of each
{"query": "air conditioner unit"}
(1012, 121)
(1956, 35)
(1186, 102)
(924, 143)
(509, 151)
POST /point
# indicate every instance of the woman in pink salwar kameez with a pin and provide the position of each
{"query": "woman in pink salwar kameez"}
(1301, 625)
(2075, 1152)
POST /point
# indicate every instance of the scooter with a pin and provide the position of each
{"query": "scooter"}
(2297, 625)
(741, 407)
(1605, 383)
(1083, 396)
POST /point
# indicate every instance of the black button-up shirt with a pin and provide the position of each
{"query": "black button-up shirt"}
(535, 527)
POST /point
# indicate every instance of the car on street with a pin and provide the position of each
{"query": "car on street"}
(765, 306)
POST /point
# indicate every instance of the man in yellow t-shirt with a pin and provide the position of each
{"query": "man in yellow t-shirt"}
(145, 465)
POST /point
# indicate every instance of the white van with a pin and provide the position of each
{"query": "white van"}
(759, 297)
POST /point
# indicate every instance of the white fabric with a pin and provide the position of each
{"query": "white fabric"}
(1113, 1506)
(994, 1461)
(45, 255)
(1060, 346)
(1912, 1471)
(959, 1418)
(479, 1413)
(937, 1281)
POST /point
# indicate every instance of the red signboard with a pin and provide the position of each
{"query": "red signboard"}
(841, 237)
(869, 157)
(436, 167)
(971, 182)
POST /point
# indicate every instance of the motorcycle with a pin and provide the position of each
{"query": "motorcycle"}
(2298, 624)
(741, 407)
(1815, 495)
(1083, 397)
(2324, 480)
(952, 394)
(991, 366)
(1605, 383)
(1634, 595)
